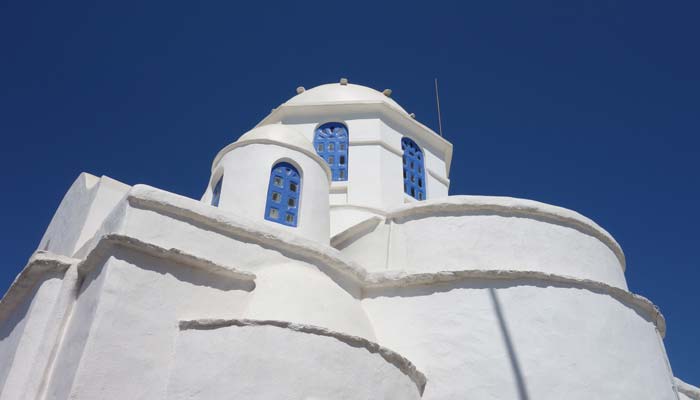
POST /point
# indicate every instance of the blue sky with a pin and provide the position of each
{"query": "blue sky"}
(593, 106)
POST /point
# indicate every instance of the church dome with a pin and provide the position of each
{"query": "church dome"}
(336, 93)
(280, 134)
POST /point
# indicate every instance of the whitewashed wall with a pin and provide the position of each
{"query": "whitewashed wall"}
(375, 172)
(522, 340)
(490, 233)
(272, 362)
(81, 213)
(246, 171)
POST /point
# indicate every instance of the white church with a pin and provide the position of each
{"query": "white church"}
(326, 260)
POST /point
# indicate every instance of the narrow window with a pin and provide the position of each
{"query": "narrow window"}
(216, 196)
(413, 176)
(331, 143)
(283, 194)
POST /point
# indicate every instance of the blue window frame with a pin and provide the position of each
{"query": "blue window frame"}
(413, 170)
(216, 195)
(283, 194)
(331, 143)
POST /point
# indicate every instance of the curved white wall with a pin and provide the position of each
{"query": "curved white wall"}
(299, 293)
(470, 233)
(273, 362)
(246, 171)
(492, 340)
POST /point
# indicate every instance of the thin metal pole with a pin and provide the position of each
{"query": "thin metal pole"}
(437, 99)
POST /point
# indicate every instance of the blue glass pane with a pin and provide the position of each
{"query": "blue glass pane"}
(217, 193)
(331, 143)
(413, 171)
(283, 192)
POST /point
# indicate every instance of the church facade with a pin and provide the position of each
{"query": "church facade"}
(326, 260)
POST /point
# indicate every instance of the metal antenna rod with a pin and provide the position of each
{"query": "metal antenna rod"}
(437, 99)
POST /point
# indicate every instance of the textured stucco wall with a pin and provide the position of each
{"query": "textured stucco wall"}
(23, 338)
(374, 160)
(470, 237)
(123, 330)
(81, 213)
(521, 340)
(246, 172)
(274, 362)
(539, 332)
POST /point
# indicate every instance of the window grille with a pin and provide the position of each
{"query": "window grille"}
(331, 143)
(413, 170)
(283, 194)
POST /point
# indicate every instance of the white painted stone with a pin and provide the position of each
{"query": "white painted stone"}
(687, 391)
(81, 213)
(138, 293)
(300, 362)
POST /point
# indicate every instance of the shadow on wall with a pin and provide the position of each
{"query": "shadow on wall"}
(12, 328)
(515, 364)
(274, 254)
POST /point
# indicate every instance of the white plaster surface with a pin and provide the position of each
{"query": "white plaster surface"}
(473, 232)
(31, 316)
(168, 297)
(344, 217)
(687, 391)
(124, 324)
(81, 212)
(300, 362)
(296, 293)
(486, 340)
(375, 169)
(248, 197)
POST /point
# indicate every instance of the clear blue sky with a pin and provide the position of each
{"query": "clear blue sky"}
(593, 106)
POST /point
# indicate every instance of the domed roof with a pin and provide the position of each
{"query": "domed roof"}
(277, 133)
(335, 93)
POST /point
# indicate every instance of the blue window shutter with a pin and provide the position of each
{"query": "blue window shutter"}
(413, 170)
(216, 196)
(331, 143)
(283, 193)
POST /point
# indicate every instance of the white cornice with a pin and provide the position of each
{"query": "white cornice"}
(300, 149)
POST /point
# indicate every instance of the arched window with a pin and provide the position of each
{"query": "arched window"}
(216, 195)
(331, 143)
(283, 194)
(413, 170)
